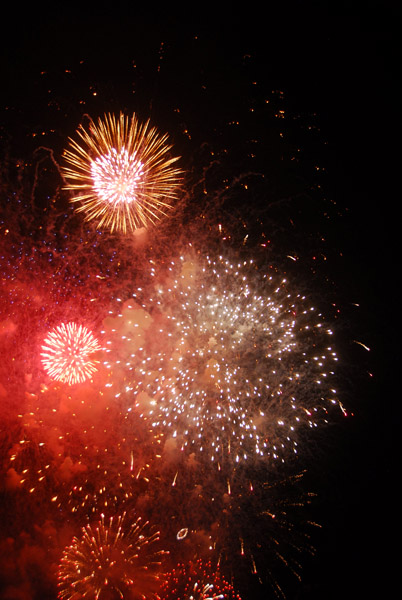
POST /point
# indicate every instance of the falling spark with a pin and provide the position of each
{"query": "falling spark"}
(362, 345)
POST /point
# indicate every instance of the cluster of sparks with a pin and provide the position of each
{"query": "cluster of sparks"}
(197, 581)
(70, 448)
(111, 559)
(68, 353)
(121, 173)
(224, 359)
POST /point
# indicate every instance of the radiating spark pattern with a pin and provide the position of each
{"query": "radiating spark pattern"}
(197, 581)
(225, 358)
(67, 353)
(121, 173)
(113, 559)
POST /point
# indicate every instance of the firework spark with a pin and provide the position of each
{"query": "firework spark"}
(80, 448)
(225, 359)
(197, 581)
(111, 560)
(121, 174)
(68, 353)
(277, 533)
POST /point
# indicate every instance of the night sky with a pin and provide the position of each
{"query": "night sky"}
(285, 124)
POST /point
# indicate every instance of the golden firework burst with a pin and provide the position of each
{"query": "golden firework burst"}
(121, 173)
(113, 559)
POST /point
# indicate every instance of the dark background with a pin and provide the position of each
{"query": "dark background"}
(341, 61)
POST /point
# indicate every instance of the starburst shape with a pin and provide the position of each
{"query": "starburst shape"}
(111, 559)
(67, 353)
(121, 173)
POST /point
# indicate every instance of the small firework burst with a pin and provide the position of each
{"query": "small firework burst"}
(197, 581)
(111, 560)
(67, 353)
(122, 174)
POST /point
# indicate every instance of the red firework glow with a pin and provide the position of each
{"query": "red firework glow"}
(68, 353)
(197, 581)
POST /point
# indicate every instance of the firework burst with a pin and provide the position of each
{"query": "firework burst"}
(68, 353)
(226, 360)
(121, 173)
(197, 581)
(111, 560)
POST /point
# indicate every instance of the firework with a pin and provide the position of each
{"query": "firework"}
(262, 528)
(81, 450)
(113, 559)
(197, 581)
(117, 461)
(121, 175)
(68, 353)
(262, 531)
(225, 359)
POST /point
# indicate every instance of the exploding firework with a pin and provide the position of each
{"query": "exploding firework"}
(68, 353)
(111, 560)
(225, 359)
(197, 581)
(121, 174)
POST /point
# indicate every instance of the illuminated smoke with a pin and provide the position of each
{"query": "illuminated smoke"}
(197, 581)
(224, 359)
